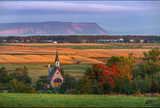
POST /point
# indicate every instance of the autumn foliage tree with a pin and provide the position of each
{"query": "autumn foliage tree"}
(122, 71)
(94, 73)
(101, 77)
(109, 74)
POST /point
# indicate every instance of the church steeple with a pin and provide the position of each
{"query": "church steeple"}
(57, 60)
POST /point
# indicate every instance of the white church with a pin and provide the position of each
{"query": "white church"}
(56, 78)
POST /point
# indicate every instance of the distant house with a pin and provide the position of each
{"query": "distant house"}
(131, 40)
(120, 40)
(114, 40)
(142, 40)
(56, 78)
(16, 40)
(104, 40)
(49, 41)
(84, 40)
(108, 40)
(54, 41)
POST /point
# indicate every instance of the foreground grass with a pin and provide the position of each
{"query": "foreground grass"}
(58, 100)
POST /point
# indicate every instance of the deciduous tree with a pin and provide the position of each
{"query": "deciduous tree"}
(153, 54)
(84, 85)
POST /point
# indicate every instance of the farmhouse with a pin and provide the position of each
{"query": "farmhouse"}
(56, 78)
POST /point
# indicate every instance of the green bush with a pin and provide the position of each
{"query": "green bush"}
(18, 87)
(135, 87)
(126, 87)
(96, 88)
(84, 85)
(70, 83)
(54, 91)
(107, 88)
(29, 89)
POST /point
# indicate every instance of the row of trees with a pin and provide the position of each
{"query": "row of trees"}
(18, 81)
(76, 38)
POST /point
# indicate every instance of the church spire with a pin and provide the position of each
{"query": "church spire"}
(57, 58)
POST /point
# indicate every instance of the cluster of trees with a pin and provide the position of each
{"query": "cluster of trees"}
(120, 75)
(75, 38)
(18, 81)
(127, 77)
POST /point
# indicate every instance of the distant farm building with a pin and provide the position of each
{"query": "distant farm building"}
(54, 41)
(142, 40)
(120, 40)
(84, 40)
(131, 40)
(110, 40)
(47, 41)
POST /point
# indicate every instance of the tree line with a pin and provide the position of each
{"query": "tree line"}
(75, 38)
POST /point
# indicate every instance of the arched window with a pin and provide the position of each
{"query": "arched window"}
(57, 80)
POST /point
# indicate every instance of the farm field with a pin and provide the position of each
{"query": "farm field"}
(21, 53)
(74, 59)
(57, 100)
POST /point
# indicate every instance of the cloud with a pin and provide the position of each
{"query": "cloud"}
(53, 7)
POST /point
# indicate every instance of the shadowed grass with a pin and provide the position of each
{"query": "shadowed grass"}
(58, 100)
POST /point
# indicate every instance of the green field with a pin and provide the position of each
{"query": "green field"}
(90, 47)
(58, 100)
(36, 70)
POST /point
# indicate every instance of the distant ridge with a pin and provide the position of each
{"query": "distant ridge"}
(51, 27)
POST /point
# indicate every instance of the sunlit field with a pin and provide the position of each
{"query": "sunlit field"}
(74, 58)
(71, 54)
(57, 100)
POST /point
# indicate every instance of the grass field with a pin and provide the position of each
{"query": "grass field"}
(36, 70)
(57, 100)
(91, 47)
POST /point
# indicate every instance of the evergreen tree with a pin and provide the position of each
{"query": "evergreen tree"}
(134, 86)
(107, 88)
(117, 86)
(96, 88)
(94, 73)
(84, 85)
(70, 83)
(154, 87)
(126, 87)
(42, 82)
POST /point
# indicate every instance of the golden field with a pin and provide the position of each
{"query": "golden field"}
(73, 58)
(21, 53)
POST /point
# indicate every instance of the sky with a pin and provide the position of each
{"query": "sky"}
(110, 15)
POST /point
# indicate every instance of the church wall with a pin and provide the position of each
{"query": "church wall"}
(56, 76)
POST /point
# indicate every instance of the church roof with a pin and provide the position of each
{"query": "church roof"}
(52, 72)
(57, 58)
